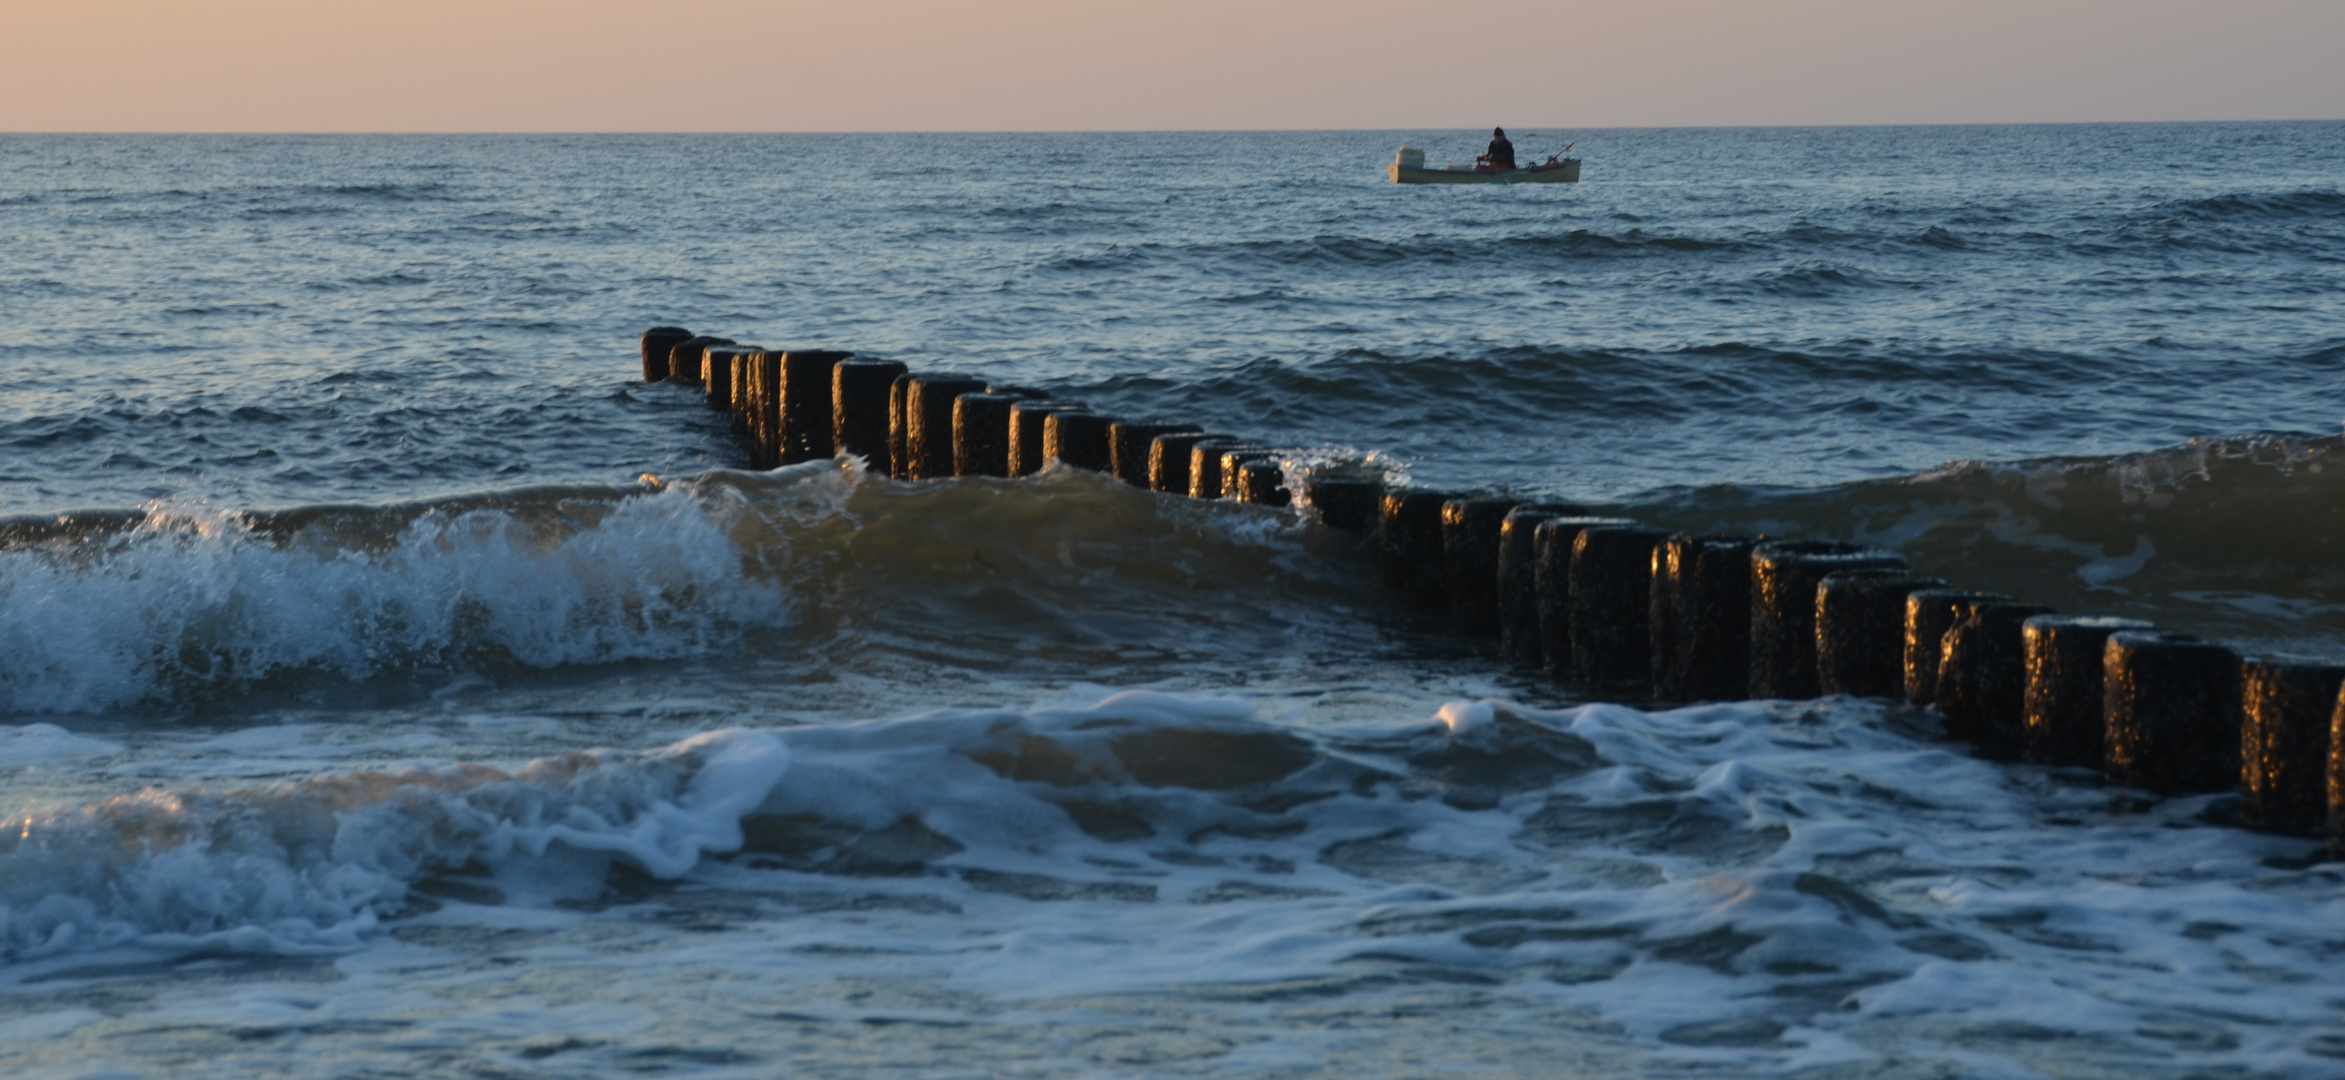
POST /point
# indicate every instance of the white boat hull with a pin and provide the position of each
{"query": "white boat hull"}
(1562, 172)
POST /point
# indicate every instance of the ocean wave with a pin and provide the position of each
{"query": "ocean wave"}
(316, 864)
(197, 606)
(173, 603)
(1824, 867)
(1815, 280)
(312, 865)
(396, 192)
(1528, 388)
(2136, 534)
(1635, 240)
(1432, 249)
(2303, 203)
(1938, 236)
(1883, 232)
(1339, 251)
(1069, 571)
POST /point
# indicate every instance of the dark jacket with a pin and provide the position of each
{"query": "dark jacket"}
(1501, 153)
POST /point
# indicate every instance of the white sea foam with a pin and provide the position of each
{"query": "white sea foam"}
(1762, 889)
(34, 744)
(312, 866)
(195, 599)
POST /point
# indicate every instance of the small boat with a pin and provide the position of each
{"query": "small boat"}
(1408, 167)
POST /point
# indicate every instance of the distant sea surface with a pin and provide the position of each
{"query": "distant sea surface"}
(392, 683)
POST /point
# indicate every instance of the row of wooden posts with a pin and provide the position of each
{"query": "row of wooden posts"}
(1618, 609)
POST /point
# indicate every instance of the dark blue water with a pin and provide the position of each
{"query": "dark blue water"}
(362, 706)
(272, 322)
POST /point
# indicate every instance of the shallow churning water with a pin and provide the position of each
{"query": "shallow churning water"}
(392, 684)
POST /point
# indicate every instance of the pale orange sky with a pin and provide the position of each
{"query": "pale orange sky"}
(1022, 65)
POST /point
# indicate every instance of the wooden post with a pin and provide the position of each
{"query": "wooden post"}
(1205, 466)
(1078, 439)
(686, 357)
(1982, 676)
(2173, 708)
(764, 400)
(657, 343)
(1518, 581)
(2066, 712)
(1470, 530)
(1784, 575)
(1860, 631)
(1128, 444)
(859, 409)
(1168, 459)
(2337, 781)
(717, 378)
(740, 393)
(808, 398)
(1408, 544)
(1027, 421)
(981, 434)
(1705, 583)
(1349, 503)
(1263, 482)
(1929, 613)
(2284, 747)
(1553, 542)
(928, 416)
(899, 428)
(1234, 459)
(1611, 587)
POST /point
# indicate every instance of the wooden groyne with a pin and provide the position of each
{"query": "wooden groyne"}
(1613, 607)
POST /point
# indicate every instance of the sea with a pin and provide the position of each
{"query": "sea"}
(393, 684)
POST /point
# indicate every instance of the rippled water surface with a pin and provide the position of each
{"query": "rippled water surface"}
(365, 707)
(281, 321)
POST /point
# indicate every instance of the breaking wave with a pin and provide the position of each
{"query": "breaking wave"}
(312, 865)
(171, 606)
(1786, 881)
(105, 611)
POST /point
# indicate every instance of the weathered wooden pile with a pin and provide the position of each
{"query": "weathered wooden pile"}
(1618, 609)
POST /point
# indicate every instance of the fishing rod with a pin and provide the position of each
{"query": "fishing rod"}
(1558, 156)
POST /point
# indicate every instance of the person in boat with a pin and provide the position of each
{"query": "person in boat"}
(1501, 155)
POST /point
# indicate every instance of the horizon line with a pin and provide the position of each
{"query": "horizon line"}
(1155, 131)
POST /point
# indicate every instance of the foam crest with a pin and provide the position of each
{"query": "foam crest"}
(191, 601)
(177, 605)
(1762, 887)
(314, 865)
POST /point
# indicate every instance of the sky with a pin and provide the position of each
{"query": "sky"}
(1115, 65)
